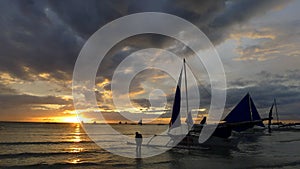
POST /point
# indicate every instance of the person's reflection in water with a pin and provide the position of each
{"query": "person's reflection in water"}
(138, 140)
(139, 163)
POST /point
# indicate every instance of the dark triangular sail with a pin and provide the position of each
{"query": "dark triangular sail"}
(244, 111)
(255, 115)
(175, 118)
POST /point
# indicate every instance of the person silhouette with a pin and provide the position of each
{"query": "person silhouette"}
(203, 121)
(138, 140)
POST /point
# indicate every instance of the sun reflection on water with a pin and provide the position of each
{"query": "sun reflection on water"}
(76, 137)
(75, 161)
(76, 147)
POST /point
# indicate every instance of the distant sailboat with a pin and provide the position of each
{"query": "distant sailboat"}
(281, 126)
(140, 122)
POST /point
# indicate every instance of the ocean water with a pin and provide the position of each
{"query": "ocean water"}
(44, 145)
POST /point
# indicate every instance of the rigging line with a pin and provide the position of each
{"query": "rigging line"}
(187, 103)
(186, 92)
(200, 85)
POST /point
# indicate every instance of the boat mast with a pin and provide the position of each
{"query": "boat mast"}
(251, 114)
(276, 111)
(186, 92)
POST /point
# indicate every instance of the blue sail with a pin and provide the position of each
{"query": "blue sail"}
(175, 119)
(245, 111)
(255, 115)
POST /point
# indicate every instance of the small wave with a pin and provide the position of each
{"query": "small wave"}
(48, 142)
(56, 165)
(163, 162)
(121, 165)
(27, 154)
(288, 141)
(53, 142)
(283, 165)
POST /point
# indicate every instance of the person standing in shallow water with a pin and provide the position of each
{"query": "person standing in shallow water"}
(138, 140)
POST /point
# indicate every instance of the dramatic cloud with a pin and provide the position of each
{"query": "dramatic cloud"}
(272, 41)
(33, 36)
(13, 100)
(47, 36)
(40, 41)
(28, 107)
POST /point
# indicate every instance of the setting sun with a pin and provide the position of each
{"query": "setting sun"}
(70, 119)
(57, 119)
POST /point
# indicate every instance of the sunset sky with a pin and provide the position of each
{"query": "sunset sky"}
(257, 40)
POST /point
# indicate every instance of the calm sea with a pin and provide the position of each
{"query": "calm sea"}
(41, 145)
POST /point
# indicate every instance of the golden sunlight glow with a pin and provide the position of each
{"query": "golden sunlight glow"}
(76, 150)
(76, 137)
(134, 94)
(46, 107)
(57, 119)
(44, 75)
(159, 77)
(265, 34)
(107, 95)
(104, 83)
(26, 68)
(6, 79)
(69, 112)
(67, 97)
(75, 161)
(70, 119)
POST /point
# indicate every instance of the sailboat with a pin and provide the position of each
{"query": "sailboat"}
(243, 117)
(140, 122)
(220, 137)
(281, 126)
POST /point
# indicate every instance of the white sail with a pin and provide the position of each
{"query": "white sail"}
(189, 120)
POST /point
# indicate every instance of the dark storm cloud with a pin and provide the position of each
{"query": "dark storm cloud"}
(48, 35)
(35, 38)
(116, 55)
(145, 103)
(20, 107)
(6, 90)
(130, 45)
(86, 17)
(13, 100)
(264, 94)
(290, 76)
(238, 12)
(27, 107)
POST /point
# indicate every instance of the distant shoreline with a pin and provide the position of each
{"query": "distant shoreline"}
(79, 123)
(117, 123)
